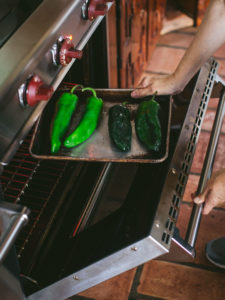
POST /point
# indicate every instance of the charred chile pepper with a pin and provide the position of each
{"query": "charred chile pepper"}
(147, 124)
(119, 126)
(88, 122)
(65, 107)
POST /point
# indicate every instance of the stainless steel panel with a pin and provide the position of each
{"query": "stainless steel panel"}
(172, 192)
(102, 270)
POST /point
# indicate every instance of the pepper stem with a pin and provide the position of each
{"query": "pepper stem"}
(153, 97)
(90, 89)
(74, 87)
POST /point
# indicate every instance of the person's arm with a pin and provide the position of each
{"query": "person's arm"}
(210, 36)
(214, 192)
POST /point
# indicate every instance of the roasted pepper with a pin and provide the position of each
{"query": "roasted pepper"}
(147, 124)
(88, 123)
(119, 125)
(65, 107)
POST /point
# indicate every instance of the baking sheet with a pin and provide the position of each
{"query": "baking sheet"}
(99, 146)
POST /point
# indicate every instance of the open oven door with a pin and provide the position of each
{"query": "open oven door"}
(144, 227)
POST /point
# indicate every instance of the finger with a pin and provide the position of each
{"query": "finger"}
(142, 92)
(144, 83)
(209, 205)
(207, 208)
(198, 199)
(211, 201)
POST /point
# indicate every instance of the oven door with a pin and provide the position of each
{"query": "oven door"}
(114, 216)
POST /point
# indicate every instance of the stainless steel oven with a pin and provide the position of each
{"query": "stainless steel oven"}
(67, 225)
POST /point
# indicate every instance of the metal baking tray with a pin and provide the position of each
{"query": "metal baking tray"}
(99, 146)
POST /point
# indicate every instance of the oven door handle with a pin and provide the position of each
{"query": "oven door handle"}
(195, 218)
(12, 218)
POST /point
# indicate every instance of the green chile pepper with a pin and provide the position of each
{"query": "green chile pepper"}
(147, 124)
(65, 107)
(88, 122)
(119, 126)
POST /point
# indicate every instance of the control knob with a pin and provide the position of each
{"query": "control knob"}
(96, 8)
(67, 51)
(37, 91)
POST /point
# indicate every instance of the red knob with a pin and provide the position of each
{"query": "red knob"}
(97, 8)
(67, 52)
(37, 91)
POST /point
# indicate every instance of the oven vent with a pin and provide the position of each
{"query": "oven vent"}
(166, 237)
(189, 154)
(188, 157)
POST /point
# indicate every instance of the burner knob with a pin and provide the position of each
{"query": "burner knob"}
(37, 91)
(97, 8)
(67, 52)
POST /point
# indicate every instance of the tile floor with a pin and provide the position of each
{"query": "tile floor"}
(167, 280)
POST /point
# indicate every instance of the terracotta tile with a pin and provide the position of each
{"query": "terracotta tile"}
(221, 69)
(213, 103)
(176, 39)
(200, 152)
(191, 187)
(220, 154)
(208, 120)
(165, 60)
(177, 282)
(211, 227)
(115, 288)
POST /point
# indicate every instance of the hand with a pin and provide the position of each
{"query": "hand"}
(214, 192)
(162, 84)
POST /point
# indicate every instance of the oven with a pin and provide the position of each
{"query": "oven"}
(67, 225)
